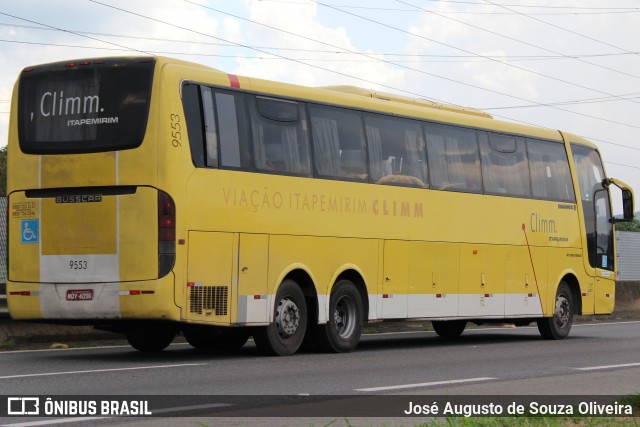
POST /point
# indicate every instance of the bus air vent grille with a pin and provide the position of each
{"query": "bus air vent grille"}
(208, 298)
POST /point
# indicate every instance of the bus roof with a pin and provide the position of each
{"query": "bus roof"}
(351, 96)
(577, 139)
(406, 100)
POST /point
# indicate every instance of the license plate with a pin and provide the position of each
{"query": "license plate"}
(80, 295)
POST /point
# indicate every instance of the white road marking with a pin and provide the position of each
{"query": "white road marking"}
(133, 368)
(607, 323)
(81, 419)
(429, 384)
(597, 368)
(96, 347)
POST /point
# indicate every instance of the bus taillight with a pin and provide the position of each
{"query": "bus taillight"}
(166, 233)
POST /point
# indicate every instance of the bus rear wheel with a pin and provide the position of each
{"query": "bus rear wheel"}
(449, 328)
(153, 338)
(211, 338)
(284, 335)
(342, 331)
(558, 326)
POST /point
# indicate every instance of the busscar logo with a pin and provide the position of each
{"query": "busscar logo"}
(23, 406)
(84, 198)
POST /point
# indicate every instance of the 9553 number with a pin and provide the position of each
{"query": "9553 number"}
(176, 132)
(78, 264)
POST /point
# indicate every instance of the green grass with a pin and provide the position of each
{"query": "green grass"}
(633, 400)
(488, 422)
(8, 345)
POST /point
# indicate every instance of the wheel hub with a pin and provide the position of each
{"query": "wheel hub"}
(344, 317)
(287, 318)
(563, 311)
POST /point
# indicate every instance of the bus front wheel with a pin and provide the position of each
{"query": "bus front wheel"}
(342, 331)
(449, 328)
(150, 338)
(284, 335)
(558, 326)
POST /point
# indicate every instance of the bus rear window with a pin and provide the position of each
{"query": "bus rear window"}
(84, 107)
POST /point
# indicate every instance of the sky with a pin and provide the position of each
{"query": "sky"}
(571, 65)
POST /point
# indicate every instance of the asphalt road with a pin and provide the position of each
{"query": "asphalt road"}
(599, 358)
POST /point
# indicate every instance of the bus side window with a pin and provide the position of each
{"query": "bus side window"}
(505, 170)
(235, 151)
(280, 140)
(226, 129)
(339, 149)
(396, 151)
(550, 174)
(193, 118)
(454, 160)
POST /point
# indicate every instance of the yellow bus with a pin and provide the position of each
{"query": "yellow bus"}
(151, 197)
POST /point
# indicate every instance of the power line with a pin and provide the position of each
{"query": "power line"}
(623, 165)
(572, 102)
(322, 68)
(458, 48)
(464, 12)
(585, 136)
(262, 51)
(410, 55)
(519, 41)
(70, 32)
(218, 55)
(532, 6)
(612, 143)
(559, 27)
(329, 70)
(187, 29)
(406, 67)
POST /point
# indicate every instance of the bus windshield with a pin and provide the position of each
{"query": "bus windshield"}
(84, 106)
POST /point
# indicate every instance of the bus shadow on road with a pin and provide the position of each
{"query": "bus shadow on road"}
(176, 353)
(182, 352)
(376, 342)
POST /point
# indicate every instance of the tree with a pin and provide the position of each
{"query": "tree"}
(629, 226)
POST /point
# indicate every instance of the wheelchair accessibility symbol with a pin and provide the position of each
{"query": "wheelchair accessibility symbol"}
(30, 231)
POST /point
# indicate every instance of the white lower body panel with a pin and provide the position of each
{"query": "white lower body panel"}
(105, 302)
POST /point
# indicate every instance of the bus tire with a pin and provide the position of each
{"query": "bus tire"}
(559, 324)
(150, 339)
(210, 338)
(284, 335)
(342, 331)
(449, 328)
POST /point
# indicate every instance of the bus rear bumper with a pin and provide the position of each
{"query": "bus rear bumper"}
(93, 303)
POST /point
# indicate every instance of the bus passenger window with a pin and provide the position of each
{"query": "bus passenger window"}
(454, 160)
(396, 151)
(550, 174)
(505, 170)
(280, 141)
(338, 143)
(235, 151)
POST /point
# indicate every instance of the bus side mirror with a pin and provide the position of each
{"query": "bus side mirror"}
(627, 205)
(627, 199)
